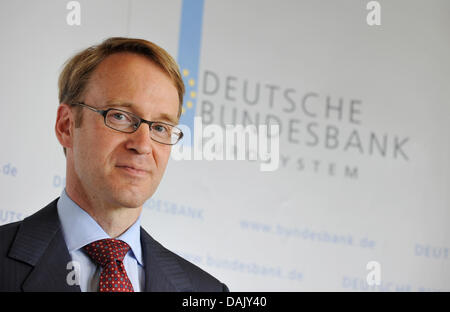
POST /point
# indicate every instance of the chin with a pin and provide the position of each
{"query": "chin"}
(132, 203)
(131, 198)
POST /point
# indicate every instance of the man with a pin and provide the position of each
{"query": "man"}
(119, 104)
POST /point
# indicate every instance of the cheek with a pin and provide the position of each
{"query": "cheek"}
(161, 155)
(94, 148)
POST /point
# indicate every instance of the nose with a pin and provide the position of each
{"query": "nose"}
(140, 140)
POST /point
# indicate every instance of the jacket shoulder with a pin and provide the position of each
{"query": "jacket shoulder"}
(201, 280)
(172, 264)
(11, 271)
(18, 246)
(7, 235)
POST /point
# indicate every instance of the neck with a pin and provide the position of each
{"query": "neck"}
(112, 219)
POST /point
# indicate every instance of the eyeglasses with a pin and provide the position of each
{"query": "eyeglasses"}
(127, 122)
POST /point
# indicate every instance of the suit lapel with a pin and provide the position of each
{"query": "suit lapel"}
(39, 242)
(162, 270)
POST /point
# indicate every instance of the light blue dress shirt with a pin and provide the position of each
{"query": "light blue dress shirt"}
(80, 229)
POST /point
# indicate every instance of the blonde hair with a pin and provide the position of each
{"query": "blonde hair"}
(79, 68)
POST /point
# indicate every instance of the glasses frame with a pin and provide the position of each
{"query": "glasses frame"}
(104, 113)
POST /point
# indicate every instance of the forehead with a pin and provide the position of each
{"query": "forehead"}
(134, 80)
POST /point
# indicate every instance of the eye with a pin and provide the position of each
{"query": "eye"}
(119, 116)
(121, 121)
(161, 128)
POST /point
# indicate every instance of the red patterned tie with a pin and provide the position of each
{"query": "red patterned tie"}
(109, 253)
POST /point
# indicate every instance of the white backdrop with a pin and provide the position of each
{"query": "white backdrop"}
(364, 149)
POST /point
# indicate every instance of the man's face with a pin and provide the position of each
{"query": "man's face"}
(123, 169)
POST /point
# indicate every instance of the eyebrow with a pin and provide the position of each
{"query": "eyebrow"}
(162, 117)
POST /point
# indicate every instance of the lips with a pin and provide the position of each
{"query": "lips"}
(133, 169)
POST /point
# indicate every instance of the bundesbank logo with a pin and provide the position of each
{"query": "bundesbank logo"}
(189, 57)
(222, 144)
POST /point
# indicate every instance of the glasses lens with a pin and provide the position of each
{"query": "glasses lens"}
(121, 121)
(165, 133)
(128, 122)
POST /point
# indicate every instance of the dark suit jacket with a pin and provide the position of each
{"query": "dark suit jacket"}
(34, 257)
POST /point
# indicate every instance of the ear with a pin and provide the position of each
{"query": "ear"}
(64, 125)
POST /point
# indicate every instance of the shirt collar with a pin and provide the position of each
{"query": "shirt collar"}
(80, 229)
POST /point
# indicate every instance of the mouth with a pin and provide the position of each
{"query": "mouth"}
(136, 171)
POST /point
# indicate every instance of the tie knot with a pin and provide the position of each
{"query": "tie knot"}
(107, 250)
